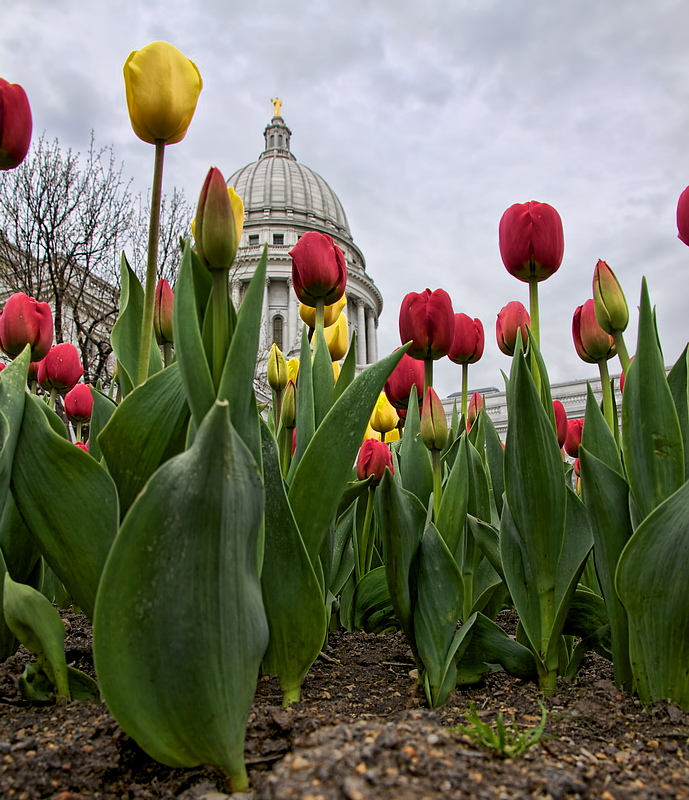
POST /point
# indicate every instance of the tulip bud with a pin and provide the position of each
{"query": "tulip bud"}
(162, 87)
(293, 370)
(408, 372)
(560, 422)
(609, 301)
(512, 320)
(288, 416)
(26, 321)
(592, 343)
(15, 124)
(531, 240)
(337, 338)
(82, 446)
(162, 313)
(331, 313)
(60, 369)
(683, 216)
(384, 417)
(79, 403)
(428, 321)
(373, 458)
(573, 438)
(434, 430)
(468, 342)
(475, 406)
(319, 270)
(219, 222)
(277, 369)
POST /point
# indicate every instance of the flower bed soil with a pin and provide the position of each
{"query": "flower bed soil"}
(361, 731)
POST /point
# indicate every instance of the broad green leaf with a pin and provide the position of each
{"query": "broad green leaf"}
(597, 438)
(37, 625)
(236, 384)
(292, 595)
(488, 539)
(373, 610)
(103, 409)
(72, 511)
(678, 380)
(348, 368)
(323, 377)
(180, 629)
(147, 428)
(495, 456)
(651, 581)
(332, 451)
(12, 392)
(436, 613)
(453, 507)
(415, 459)
(187, 315)
(126, 332)
(587, 613)
(651, 431)
(402, 520)
(306, 421)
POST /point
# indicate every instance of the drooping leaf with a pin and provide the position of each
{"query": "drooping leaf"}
(415, 460)
(180, 629)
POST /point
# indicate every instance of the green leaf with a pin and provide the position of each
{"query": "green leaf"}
(678, 381)
(12, 392)
(180, 629)
(332, 451)
(415, 459)
(453, 507)
(103, 409)
(187, 316)
(323, 377)
(292, 595)
(348, 368)
(72, 511)
(306, 420)
(373, 610)
(436, 613)
(37, 625)
(236, 384)
(651, 581)
(495, 456)
(126, 332)
(651, 432)
(147, 428)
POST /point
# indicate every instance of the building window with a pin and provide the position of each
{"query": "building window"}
(277, 331)
(278, 238)
(280, 140)
(253, 240)
(272, 140)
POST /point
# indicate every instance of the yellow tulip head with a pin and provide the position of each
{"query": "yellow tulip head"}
(277, 369)
(219, 222)
(332, 312)
(337, 338)
(293, 369)
(384, 417)
(162, 87)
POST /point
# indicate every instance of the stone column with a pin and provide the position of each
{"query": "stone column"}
(292, 317)
(360, 332)
(371, 338)
(267, 332)
(235, 292)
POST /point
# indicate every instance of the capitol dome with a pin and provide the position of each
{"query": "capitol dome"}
(283, 199)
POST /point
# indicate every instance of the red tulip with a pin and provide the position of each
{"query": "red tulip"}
(60, 369)
(560, 422)
(468, 342)
(512, 319)
(374, 457)
(428, 321)
(162, 314)
(573, 438)
(318, 269)
(2, 366)
(532, 241)
(592, 343)
(475, 406)
(409, 372)
(683, 216)
(82, 446)
(26, 321)
(15, 124)
(79, 403)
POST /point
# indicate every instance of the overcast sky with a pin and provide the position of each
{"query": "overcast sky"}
(428, 119)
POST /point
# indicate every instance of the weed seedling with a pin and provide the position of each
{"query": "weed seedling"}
(505, 739)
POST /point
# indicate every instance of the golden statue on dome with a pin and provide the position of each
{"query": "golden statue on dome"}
(277, 106)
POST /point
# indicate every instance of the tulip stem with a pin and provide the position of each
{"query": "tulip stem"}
(167, 354)
(607, 394)
(221, 323)
(52, 398)
(78, 432)
(151, 264)
(465, 390)
(621, 350)
(427, 374)
(437, 483)
(533, 311)
(366, 542)
(320, 312)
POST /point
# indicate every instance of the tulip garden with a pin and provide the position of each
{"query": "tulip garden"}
(213, 539)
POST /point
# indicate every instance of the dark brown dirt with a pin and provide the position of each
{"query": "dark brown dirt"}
(362, 731)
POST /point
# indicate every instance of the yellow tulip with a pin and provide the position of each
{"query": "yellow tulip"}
(163, 87)
(384, 417)
(336, 370)
(277, 369)
(391, 436)
(237, 212)
(332, 312)
(292, 369)
(371, 434)
(337, 338)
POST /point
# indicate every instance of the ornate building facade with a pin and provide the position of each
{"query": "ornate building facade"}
(283, 199)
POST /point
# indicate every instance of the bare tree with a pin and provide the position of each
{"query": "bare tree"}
(63, 222)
